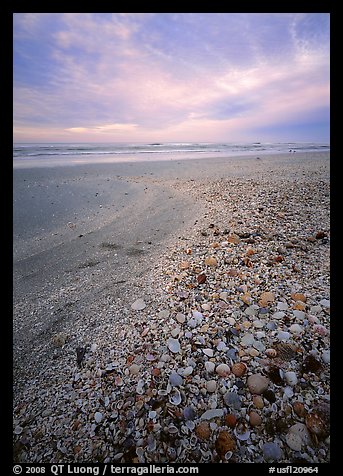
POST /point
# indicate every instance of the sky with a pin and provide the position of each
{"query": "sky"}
(171, 77)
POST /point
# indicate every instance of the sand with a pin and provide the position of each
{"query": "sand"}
(91, 239)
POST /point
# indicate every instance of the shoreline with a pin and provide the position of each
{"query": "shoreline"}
(125, 392)
(76, 160)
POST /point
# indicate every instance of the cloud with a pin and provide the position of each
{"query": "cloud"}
(130, 75)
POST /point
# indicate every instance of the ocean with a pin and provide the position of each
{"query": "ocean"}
(76, 153)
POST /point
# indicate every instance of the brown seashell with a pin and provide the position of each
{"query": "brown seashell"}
(230, 420)
(298, 297)
(299, 409)
(184, 265)
(278, 259)
(254, 419)
(215, 245)
(201, 278)
(315, 424)
(203, 430)
(258, 401)
(320, 234)
(266, 298)
(250, 251)
(224, 443)
(246, 298)
(211, 261)
(233, 238)
(239, 369)
(188, 251)
(272, 353)
(156, 372)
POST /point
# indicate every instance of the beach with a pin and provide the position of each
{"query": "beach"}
(173, 311)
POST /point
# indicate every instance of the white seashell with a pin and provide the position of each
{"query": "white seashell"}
(209, 366)
(288, 392)
(175, 397)
(214, 413)
(140, 387)
(138, 305)
(173, 345)
(187, 371)
(98, 417)
(291, 378)
(208, 352)
(172, 429)
(294, 441)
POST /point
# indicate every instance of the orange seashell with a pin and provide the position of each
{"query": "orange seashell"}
(239, 369)
(250, 251)
(298, 297)
(224, 443)
(315, 424)
(299, 408)
(203, 430)
(230, 420)
(266, 298)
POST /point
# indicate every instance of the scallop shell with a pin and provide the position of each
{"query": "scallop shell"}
(175, 397)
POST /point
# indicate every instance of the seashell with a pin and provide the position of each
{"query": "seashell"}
(238, 369)
(254, 419)
(299, 409)
(138, 305)
(203, 431)
(291, 378)
(209, 366)
(184, 265)
(315, 424)
(175, 379)
(211, 261)
(193, 440)
(208, 352)
(241, 431)
(211, 386)
(201, 278)
(228, 455)
(224, 443)
(214, 413)
(230, 420)
(266, 298)
(173, 345)
(257, 383)
(172, 429)
(258, 401)
(134, 369)
(294, 441)
(190, 425)
(175, 397)
(140, 387)
(189, 413)
(272, 353)
(223, 370)
(298, 297)
(98, 417)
